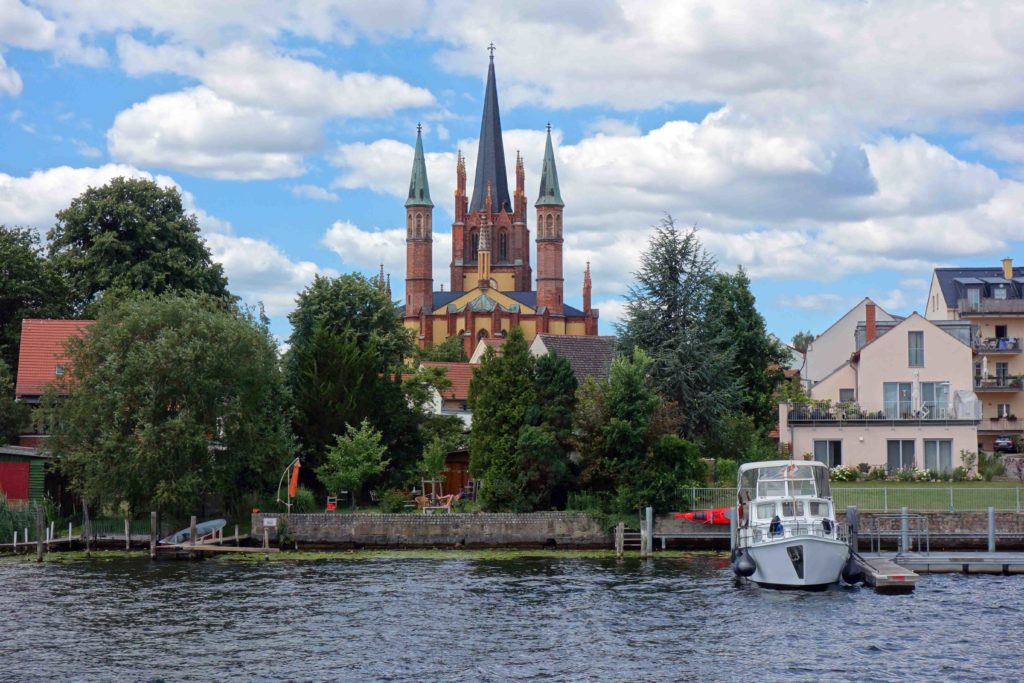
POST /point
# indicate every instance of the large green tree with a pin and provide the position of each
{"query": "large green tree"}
(501, 392)
(13, 415)
(29, 288)
(131, 235)
(344, 366)
(174, 399)
(355, 457)
(669, 314)
(758, 356)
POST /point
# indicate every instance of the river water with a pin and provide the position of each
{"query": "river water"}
(420, 619)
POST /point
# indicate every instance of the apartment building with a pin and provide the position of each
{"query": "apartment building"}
(901, 398)
(991, 301)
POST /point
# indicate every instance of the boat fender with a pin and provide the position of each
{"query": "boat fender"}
(852, 573)
(744, 565)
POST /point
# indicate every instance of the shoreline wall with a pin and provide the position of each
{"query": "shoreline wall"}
(480, 530)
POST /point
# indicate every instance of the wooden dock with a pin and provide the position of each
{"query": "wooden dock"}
(963, 563)
(885, 576)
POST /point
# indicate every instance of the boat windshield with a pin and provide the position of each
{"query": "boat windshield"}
(785, 481)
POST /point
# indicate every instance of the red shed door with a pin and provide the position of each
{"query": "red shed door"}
(14, 480)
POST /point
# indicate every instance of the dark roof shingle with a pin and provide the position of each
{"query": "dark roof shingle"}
(588, 356)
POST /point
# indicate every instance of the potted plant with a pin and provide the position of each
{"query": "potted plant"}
(1011, 417)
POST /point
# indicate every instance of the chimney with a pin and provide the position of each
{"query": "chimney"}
(1008, 268)
(869, 324)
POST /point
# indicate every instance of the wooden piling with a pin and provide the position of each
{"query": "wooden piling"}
(40, 525)
(192, 535)
(236, 535)
(266, 544)
(127, 535)
(620, 534)
(86, 528)
(152, 535)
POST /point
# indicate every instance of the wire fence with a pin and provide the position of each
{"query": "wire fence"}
(892, 498)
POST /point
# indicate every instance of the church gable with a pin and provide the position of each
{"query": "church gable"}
(484, 301)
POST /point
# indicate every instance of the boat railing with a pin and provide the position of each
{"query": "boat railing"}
(763, 532)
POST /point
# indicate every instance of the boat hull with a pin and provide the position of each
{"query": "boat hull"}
(798, 562)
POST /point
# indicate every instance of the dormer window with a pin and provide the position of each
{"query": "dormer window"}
(58, 371)
(974, 298)
(999, 293)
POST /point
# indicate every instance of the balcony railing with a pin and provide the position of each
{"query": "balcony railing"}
(1001, 425)
(825, 411)
(989, 306)
(998, 384)
(997, 345)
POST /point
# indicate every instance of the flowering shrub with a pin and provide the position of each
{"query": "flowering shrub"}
(841, 473)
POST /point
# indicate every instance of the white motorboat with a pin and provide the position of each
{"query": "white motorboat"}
(786, 534)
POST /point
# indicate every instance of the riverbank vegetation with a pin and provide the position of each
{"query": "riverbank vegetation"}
(178, 400)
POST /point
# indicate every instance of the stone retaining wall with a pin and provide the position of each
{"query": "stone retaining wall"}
(490, 530)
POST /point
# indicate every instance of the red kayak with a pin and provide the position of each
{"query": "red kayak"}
(715, 516)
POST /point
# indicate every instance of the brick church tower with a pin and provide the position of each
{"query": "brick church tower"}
(550, 282)
(419, 238)
(492, 289)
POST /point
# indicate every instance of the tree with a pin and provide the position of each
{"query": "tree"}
(28, 288)
(556, 385)
(353, 460)
(344, 366)
(669, 316)
(173, 399)
(13, 415)
(131, 235)
(802, 340)
(450, 350)
(500, 393)
(758, 357)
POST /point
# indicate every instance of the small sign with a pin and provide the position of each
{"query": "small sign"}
(270, 522)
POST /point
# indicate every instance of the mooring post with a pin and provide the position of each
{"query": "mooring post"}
(618, 539)
(40, 526)
(15, 542)
(152, 535)
(266, 544)
(904, 530)
(86, 527)
(192, 536)
(127, 535)
(649, 525)
(733, 525)
(53, 531)
(991, 529)
(853, 526)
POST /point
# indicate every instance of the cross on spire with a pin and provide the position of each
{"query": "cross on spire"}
(491, 49)
(549, 126)
(419, 127)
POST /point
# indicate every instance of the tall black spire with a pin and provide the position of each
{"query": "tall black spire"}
(490, 157)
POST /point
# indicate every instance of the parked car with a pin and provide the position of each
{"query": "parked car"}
(1003, 444)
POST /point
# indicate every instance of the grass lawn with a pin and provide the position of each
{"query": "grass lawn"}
(966, 496)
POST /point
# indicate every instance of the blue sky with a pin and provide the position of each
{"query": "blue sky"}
(835, 150)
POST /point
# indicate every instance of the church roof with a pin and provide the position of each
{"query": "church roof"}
(419, 188)
(490, 156)
(528, 299)
(549, 194)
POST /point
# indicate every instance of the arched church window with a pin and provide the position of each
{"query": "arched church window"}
(419, 226)
(503, 246)
(558, 224)
(551, 223)
(482, 334)
(475, 239)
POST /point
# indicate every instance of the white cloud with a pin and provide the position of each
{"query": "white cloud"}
(314, 192)
(25, 27)
(613, 126)
(10, 81)
(367, 249)
(821, 301)
(198, 132)
(260, 272)
(1003, 142)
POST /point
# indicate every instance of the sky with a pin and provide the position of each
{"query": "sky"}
(835, 150)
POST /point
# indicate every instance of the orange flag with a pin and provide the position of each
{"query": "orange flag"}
(293, 485)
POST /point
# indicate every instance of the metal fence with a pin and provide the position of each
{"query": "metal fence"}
(891, 498)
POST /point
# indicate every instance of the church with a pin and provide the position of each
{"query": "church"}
(491, 288)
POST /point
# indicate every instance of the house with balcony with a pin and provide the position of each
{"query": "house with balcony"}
(991, 301)
(903, 398)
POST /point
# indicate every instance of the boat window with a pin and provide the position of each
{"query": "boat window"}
(765, 510)
(766, 489)
(819, 508)
(801, 487)
(792, 508)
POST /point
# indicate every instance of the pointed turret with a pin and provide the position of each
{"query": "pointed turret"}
(490, 157)
(550, 194)
(419, 188)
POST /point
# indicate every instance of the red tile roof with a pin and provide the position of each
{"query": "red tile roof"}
(459, 375)
(42, 350)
